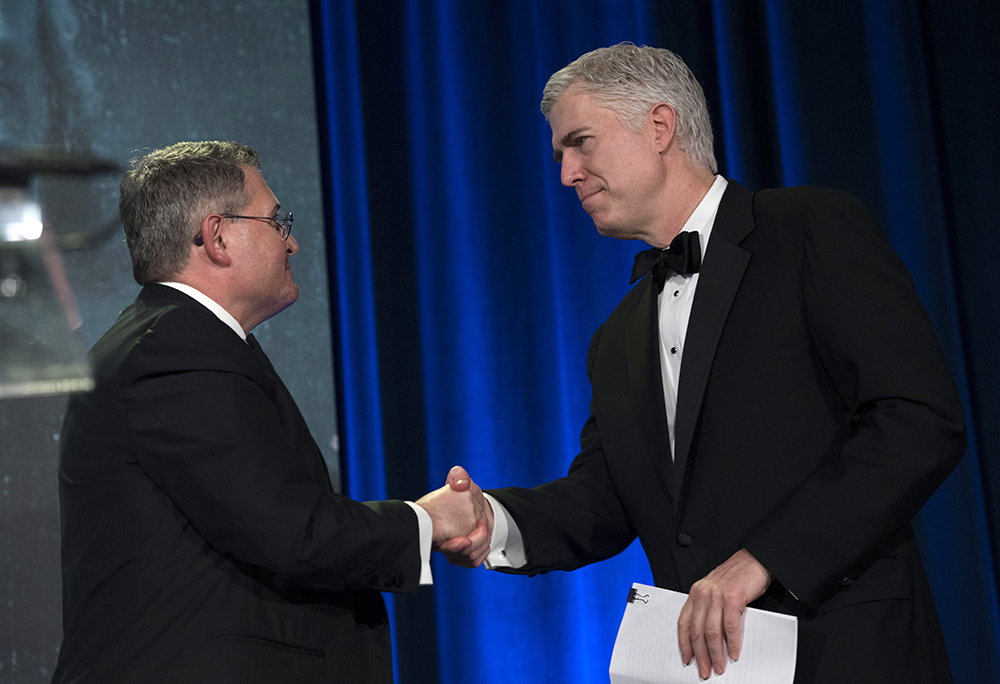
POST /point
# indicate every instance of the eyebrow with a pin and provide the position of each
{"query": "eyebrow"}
(567, 141)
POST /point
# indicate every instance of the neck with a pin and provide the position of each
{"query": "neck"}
(219, 293)
(687, 187)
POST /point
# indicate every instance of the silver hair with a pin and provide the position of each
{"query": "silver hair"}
(630, 80)
(166, 193)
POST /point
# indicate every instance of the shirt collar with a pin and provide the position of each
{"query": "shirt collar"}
(703, 217)
(211, 305)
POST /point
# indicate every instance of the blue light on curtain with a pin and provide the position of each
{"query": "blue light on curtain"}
(786, 99)
(351, 254)
(733, 165)
(500, 276)
(361, 445)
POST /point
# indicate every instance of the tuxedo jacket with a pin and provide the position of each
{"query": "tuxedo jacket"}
(815, 416)
(201, 538)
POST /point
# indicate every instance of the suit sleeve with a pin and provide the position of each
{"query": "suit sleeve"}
(904, 424)
(205, 432)
(575, 520)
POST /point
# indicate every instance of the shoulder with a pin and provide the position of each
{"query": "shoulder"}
(163, 332)
(808, 204)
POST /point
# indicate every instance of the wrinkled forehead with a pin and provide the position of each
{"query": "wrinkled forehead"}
(577, 111)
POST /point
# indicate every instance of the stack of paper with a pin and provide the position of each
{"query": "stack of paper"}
(646, 651)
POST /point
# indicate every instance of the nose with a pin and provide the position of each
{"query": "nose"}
(572, 171)
(291, 245)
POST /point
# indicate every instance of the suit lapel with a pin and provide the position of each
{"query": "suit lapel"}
(719, 280)
(291, 417)
(646, 383)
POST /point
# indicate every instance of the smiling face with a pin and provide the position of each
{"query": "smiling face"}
(618, 175)
(265, 274)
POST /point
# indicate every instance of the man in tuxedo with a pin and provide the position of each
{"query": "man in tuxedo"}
(766, 419)
(202, 539)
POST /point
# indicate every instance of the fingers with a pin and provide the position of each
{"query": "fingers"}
(462, 519)
(715, 657)
(700, 633)
(470, 551)
(709, 627)
(684, 632)
(479, 547)
(456, 545)
(453, 514)
(733, 625)
(459, 479)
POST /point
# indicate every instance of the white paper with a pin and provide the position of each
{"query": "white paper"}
(646, 650)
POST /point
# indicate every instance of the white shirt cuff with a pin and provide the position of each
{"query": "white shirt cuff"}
(426, 535)
(506, 544)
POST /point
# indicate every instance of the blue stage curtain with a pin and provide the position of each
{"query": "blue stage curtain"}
(468, 282)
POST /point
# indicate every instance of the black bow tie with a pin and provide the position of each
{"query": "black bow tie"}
(683, 257)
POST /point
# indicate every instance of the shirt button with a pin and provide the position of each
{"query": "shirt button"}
(673, 350)
(677, 293)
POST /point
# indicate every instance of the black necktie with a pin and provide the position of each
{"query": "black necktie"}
(683, 257)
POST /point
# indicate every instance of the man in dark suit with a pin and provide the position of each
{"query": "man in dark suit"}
(202, 539)
(766, 420)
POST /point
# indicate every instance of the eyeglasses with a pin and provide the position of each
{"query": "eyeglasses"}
(282, 225)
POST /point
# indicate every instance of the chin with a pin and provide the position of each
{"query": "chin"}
(291, 295)
(612, 232)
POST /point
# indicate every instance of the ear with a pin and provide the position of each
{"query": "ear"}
(664, 121)
(213, 240)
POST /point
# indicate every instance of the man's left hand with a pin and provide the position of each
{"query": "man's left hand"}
(710, 624)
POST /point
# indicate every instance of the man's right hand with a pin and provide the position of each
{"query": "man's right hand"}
(462, 519)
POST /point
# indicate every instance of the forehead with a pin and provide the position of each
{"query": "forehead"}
(256, 186)
(578, 111)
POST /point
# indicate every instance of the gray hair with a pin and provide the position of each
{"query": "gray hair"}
(166, 193)
(630, 80)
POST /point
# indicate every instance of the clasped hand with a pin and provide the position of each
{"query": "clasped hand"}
(710, 624)
(462, 519)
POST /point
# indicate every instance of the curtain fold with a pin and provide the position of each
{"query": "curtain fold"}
(469, 282)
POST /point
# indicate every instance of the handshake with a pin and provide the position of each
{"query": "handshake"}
(462, 519)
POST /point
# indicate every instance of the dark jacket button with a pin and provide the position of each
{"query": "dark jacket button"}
(684, 539)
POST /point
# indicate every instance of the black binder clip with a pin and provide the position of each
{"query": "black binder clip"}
(633, 595)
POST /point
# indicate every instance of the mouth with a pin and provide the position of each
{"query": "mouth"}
(586, 196)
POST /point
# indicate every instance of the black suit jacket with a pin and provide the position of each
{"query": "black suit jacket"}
(202, 541)
(815, 417)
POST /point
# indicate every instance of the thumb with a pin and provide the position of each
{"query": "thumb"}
(459, 479)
